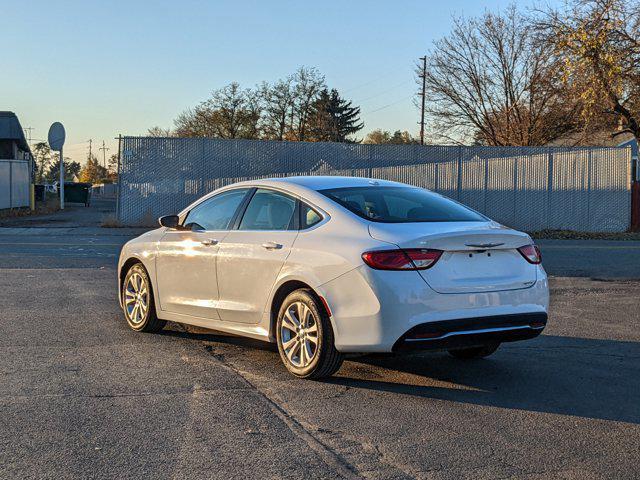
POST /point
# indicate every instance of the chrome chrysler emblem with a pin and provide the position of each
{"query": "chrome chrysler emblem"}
(483, 245)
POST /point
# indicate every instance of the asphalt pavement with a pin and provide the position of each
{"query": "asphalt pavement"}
(82, 396)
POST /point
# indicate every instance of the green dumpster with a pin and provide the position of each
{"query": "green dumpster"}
(77, 193)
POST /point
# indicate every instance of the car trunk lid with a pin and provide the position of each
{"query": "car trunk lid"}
(477, 256)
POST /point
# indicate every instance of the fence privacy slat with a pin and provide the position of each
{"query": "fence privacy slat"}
(528, 188)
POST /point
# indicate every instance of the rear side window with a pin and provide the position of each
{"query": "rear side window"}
(308, 216)
(401, 205)
(215, 213)
(268, 210)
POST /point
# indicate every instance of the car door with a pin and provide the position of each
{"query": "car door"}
(186, 259)
(251, 256)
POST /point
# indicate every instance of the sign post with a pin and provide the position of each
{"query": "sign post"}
(56, 141)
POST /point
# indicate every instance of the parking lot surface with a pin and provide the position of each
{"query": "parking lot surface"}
(81, 395)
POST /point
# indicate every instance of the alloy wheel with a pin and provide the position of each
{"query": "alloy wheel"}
(299, 334)
(136, 298)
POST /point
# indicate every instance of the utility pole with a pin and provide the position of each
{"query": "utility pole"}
(104, 154)
(423, 75)
(32, 179)
(90, 141)
(29, 130)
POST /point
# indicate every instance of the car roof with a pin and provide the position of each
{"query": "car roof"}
(323, 182)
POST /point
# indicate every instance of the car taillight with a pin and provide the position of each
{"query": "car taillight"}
(407, 259)
(531, 254)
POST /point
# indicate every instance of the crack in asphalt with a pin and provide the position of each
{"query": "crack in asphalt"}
(350, 457)
(331, 458)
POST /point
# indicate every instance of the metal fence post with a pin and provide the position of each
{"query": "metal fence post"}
(459, 180)
(515, 187)
(549, 185)
(10, 184)
(118, 179)
(486, 184)
(588, 225)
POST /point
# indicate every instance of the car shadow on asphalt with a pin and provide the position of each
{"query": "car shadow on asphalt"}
(205, 335)
(589, 378)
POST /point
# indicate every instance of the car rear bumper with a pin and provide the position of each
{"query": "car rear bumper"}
(470, 332)
(375, 311)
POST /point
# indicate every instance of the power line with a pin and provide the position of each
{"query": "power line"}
(389, 105)
(380, 77)
(382, 92)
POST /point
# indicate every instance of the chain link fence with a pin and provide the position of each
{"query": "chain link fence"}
(528, 188)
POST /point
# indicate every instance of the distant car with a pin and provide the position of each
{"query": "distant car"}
(326, 266)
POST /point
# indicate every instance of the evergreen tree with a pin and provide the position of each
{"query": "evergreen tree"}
(333, 119)
(71, 170)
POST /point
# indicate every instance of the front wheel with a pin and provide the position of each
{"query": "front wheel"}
(138, 302)
(474, 352)
(305, 337)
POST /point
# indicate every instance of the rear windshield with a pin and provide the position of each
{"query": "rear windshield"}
(401, 205)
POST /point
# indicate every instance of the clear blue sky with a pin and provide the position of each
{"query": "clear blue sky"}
(104, 68)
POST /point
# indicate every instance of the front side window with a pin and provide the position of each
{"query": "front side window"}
(216, 212)
(268, 210)
(401, 205)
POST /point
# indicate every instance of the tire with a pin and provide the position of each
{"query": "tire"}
(296, 342)
(136, 293)
(474, 352)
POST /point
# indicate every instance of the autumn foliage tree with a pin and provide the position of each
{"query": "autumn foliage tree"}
(597, 43)
(93, 172)
(399, 137)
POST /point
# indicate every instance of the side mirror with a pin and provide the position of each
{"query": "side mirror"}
(169, 221)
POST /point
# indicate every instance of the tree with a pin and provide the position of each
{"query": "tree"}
(396, 138)
(112, 165)
(598, 43)
(230, 113)
(490, 82)
(309, 82)
(93, 172)
(332, 118)
(159, 132)
(42, 158)
(71, 170)
(112, 168)
(279, 100)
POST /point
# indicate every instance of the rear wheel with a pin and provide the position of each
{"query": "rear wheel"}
(138, 302)
(474, 352)
(305, 337)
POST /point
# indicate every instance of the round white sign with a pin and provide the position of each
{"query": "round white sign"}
(56, 136)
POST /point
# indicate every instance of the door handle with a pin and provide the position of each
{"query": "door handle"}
(272, 245)
(209, 242)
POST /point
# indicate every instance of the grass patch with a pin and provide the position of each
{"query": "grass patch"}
(571, 235)
(42, 208)
(111, 221)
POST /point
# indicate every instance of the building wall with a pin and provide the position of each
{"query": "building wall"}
(14, 183)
